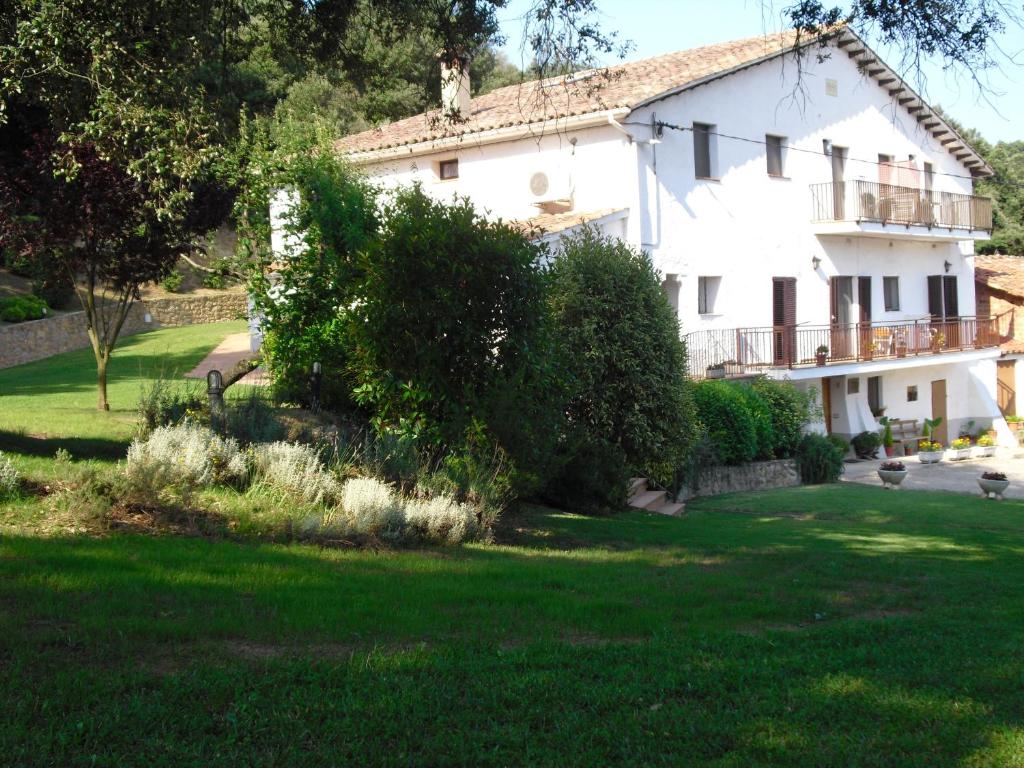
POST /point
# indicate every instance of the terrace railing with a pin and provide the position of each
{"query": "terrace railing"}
(891, 204)
(736, 351)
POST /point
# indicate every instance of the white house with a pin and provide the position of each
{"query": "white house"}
(799, 206)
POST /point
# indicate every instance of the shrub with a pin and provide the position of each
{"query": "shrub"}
(181, 457)
(297, 470)
(790, 410)
(760, 415)
(371, 508)
(723, 411)
(172, 283)
(819, 460)
(18, 309)
(866, 444)
(163, 402)
(629, 405)
(985, 441)
(54, 288)
(841, 445)
(441, 519)
(253, 420)
(9, 478)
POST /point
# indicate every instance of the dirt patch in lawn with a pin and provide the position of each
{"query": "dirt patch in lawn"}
(139, 518)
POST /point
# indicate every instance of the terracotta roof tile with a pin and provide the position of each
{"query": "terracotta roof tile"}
(1001, 273)
(553, 223)
(625, 85)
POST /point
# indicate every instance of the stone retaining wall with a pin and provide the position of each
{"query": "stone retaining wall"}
(757, 476)
(25, 342)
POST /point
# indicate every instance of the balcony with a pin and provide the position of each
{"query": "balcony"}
(887, 210)
(743, 351)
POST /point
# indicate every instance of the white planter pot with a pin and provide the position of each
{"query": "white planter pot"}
(891, 477)
(930, 457)
(959, 454)
(989, 487)
(985, 450)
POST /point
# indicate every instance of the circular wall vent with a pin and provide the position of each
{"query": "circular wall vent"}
(539, 184)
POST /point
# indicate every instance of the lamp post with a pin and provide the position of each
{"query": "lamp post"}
(314, 388)
(215, 392)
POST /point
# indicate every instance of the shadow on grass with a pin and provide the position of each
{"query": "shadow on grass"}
(78, 447)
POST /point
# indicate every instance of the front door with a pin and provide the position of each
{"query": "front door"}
(784, 320)
(865, 336)
(940, 434)
(841, 299)
(1006, 387)
(826, 403)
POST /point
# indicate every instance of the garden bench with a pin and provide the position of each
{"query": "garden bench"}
(905, 432)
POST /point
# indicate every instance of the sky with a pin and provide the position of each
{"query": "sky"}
(662, 26)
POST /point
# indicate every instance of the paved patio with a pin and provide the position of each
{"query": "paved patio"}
(956, 476)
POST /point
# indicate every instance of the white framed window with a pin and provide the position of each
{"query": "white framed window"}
(891, 293)
(705, 146)
(707, 294)
(448, 170)
(775, 152)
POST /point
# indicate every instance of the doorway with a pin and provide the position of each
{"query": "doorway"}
(838, 185)
(940, 434)
(1006, 386)
(841, 300)
(783, 320)
(826, 403)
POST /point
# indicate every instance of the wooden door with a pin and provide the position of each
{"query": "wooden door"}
(841, 300)
(940, 434)
(784, 320)
(1006, 386)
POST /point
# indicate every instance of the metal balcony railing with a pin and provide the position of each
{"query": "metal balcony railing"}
(861, 201)
(739, 351)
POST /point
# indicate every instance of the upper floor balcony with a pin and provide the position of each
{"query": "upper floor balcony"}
(720, 353)
(888, 210)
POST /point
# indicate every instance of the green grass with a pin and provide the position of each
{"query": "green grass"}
(51, 403)
(838, 625)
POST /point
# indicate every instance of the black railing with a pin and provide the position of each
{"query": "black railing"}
(892, 204)
(737, 351)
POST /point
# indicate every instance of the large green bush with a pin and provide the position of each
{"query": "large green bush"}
(820, 460)
(790, 409)
(18, 309)
(764, 427)
(723, 410)
(450, 341)
(630, 409)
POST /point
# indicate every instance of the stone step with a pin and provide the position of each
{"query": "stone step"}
(649, 500)
(672, 509)
(636, 485)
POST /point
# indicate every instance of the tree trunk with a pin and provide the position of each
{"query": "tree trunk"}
(101, 380)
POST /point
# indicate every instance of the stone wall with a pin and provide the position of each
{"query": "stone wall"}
(37, 339)
(757, 476)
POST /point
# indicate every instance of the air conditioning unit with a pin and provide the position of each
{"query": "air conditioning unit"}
(550, 190)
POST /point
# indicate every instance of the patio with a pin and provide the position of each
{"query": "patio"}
(955, 476)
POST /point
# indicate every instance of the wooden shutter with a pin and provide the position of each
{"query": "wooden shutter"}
(935, 296)
(784, 319)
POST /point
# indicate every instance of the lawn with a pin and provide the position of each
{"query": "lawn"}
(52, 403)
(837, 625)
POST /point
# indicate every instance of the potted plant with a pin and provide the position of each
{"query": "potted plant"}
(929, 452)
(986, 445)
(865, 444)
(961, 448)
(887, 439)
(891, 473)
(821, 354)
(938, 341)
(716, 371)
(993, 483)
(1016, 423)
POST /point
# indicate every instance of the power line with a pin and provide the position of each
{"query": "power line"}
(790, 147)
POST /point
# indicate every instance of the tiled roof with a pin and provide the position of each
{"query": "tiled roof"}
(625, 85)
(1001, 273)
(553, 223)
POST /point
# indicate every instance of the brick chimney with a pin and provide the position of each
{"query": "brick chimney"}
(455, 87)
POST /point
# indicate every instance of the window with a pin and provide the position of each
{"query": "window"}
(891, 289)
(774, 145)
(703, 151)
(912, 393)
(449, 169)
(942, 297)
(670, 285)
(707, 292)
(853, 386)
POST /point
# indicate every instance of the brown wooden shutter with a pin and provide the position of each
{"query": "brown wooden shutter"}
(935, 296)
(864, 298)
(784, 318)
(950, 297)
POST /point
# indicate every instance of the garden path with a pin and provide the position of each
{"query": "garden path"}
(225, 356)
